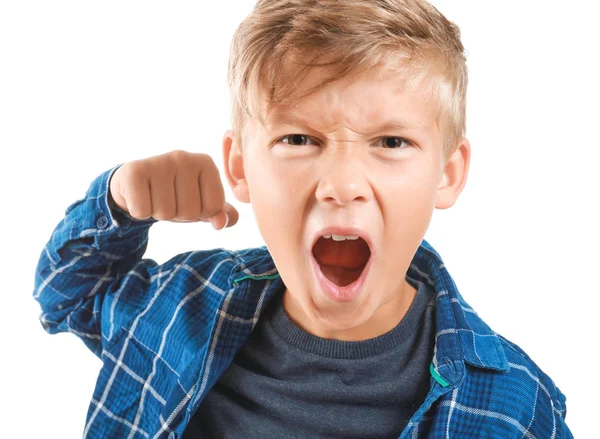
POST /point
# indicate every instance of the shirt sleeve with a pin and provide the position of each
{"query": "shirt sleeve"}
(90, 279)
(563, 431)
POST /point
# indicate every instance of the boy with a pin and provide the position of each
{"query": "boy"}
(348, 130)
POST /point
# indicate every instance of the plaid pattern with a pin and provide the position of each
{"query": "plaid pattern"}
(165, 333)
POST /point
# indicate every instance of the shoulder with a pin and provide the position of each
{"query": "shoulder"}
(521, 401)
(167, 299)
(524, 367)
(197, 263)
(214, 270)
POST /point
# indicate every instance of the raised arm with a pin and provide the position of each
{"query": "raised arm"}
(91, 278)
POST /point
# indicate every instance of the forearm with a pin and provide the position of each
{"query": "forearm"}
(89, 252)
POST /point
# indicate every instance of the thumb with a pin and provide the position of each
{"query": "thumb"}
(225, 218)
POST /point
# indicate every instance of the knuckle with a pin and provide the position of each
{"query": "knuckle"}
(210, 164)
(164, 214)
(202, 161)
(186, 215)
(179, 156)
(211, 209)
(188, 210)
(133, 174)
(139, 213)
(133, 169)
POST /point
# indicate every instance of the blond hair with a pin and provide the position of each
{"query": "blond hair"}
(350, 37)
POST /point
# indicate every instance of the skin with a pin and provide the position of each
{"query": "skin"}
(342, 173)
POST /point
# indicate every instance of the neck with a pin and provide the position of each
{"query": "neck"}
(383, 320)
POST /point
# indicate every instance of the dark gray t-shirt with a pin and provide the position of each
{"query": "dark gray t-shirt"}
(285, 382)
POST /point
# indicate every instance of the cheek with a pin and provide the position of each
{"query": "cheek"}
(278, 191)
(274, 181)
(278, 213)
(410, 207)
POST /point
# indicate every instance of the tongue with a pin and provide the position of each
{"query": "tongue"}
(341, 262)
(340, 276)
(351, 255)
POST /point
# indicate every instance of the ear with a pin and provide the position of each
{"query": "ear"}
(234, 167)
(454, 176)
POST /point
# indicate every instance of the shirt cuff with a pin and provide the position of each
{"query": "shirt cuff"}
(100, 215)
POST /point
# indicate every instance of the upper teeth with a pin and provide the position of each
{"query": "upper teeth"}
(341, 237)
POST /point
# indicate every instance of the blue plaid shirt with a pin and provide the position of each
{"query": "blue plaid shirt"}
(166, 333)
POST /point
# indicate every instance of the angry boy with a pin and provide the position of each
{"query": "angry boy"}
(348, 130)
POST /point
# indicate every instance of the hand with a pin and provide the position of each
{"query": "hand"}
(178, 186)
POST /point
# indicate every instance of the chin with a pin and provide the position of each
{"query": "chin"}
(341, 320)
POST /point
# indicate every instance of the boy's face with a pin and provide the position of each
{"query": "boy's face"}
(338, 172)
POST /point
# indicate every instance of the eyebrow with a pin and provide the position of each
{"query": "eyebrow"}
(406, 124)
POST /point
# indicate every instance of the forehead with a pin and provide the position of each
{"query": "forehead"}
(288, 117)
(377, 99)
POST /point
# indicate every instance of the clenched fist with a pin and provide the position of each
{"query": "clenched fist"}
(178, 186)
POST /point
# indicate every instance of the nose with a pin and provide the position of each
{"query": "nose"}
(342, 176)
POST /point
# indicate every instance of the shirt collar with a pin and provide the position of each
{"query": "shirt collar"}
(461, 335)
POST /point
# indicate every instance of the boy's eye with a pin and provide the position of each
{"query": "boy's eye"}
(392, 142)
(395, 142)
(294, 138)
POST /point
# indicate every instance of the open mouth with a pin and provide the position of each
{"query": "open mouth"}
(342, 262)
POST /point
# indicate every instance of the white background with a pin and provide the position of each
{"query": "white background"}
(87, 85)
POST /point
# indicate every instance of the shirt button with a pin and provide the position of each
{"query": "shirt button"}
(102, 222)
